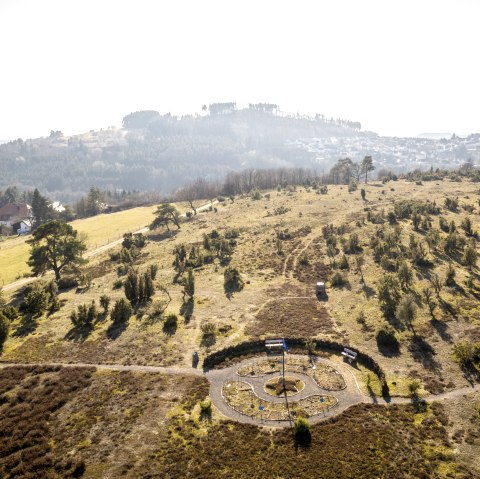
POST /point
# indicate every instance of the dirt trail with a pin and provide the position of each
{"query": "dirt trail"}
(172, 370)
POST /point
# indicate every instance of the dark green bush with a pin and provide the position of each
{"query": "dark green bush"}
(121, 312)
(302, 433)
(232, 279)
(4, 329)
(36, 302)
(386, 339)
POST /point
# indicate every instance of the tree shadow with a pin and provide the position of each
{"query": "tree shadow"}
(206, 415)
(195, 359)
(446, 306)
(372, 394)
(116, 329)
(423, 353)
(102, 317)
(79, 333)
(163, 236)
(390, 350)
(460, 290)
(26, 326)
(368, 291)
(322, 296)
(186, 309)
(230, 289)
(441, 329)
(386, 392)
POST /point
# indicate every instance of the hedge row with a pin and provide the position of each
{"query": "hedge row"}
(258, 346)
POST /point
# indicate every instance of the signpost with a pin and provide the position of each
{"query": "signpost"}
(276, 344)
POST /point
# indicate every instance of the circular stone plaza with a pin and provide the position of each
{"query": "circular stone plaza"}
(262, 391)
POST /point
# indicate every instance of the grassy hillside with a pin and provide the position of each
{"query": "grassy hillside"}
(97, 230)
(281, 244)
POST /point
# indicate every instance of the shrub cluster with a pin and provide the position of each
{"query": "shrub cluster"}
(138, 286)
(232, 279)
(84, 316)
(121, 311)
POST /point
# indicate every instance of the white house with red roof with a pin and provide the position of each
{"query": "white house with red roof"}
(17, 216)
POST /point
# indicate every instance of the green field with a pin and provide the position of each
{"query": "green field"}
(99, 230)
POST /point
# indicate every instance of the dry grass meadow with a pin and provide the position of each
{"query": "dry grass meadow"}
(97, 231)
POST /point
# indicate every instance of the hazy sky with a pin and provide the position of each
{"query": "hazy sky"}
(399, 67)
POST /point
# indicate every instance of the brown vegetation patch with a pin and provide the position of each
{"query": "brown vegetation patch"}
(99, 270)
(150, 350)
(293, 318)
(364, 442)
(30, 399)
(310, 266)
(73, 422)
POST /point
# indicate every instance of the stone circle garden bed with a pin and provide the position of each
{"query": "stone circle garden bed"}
(240, 396)
(324, 375)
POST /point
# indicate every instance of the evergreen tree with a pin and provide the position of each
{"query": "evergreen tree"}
(406, 310)
(41, 209)
(189, 285)
(165, 214)
(367, 166)
(55, 245)
(405, 275)
(4, 329)
(95, 202)
(131, 286)
(148, 286)
(470, 256)
(388, 295)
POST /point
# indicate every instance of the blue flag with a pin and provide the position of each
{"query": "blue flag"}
(285, 345)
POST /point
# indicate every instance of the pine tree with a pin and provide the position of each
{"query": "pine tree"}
(148, 286)
(189, 285)
(41, 210)
(131, 286)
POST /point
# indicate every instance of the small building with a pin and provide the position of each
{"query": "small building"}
(22, 227)
(320, 289)
(14, 212)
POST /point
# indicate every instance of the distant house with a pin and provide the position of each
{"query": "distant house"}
(22, 227)
(12, 213)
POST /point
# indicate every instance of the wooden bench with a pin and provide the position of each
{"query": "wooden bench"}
(349, 354)
(274, 343)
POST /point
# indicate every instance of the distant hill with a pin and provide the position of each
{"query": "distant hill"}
(162, 152)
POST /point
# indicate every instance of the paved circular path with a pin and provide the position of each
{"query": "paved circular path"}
(347, 397)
